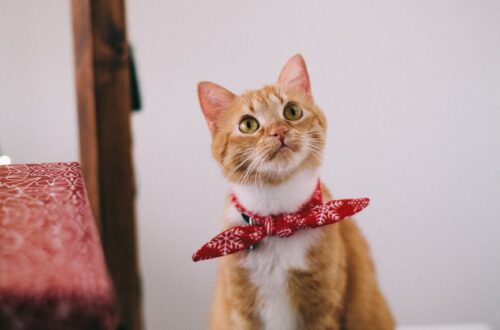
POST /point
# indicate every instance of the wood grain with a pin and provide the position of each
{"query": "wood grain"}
(104, 107)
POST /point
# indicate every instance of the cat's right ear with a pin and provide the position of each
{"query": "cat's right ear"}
(213, 100)
(294, 75)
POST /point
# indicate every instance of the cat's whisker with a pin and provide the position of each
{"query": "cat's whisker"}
(316, 153)
(239, 155)
(248, 172)
(258, 178)
(248, 154)
(255, 165)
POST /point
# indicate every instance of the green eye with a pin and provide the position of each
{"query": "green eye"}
(249, 125)
(292, 111)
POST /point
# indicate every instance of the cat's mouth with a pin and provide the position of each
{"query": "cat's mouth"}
(283, 157)
(283, 150)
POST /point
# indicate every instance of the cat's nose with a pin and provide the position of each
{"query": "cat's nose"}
(279, 131)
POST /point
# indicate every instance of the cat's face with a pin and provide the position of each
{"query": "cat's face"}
(267, 135)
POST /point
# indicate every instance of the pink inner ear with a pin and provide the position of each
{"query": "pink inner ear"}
(294, 75)
(213, 100)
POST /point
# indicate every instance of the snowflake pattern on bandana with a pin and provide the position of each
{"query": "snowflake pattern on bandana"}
(312, 214)
(227, 241)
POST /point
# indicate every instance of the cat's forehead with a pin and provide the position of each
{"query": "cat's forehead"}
(261, 100)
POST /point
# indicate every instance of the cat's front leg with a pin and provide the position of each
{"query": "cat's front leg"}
(312, 299)
(235, 305)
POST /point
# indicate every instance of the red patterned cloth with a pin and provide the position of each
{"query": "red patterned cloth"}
(52, 270)
(314, 213)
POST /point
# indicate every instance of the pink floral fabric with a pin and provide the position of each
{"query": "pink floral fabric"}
(52, 269)
(312, 214)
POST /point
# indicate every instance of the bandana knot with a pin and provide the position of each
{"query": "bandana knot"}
(269, 224)
(312, 214)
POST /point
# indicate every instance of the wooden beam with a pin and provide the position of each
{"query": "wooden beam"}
(104, 107)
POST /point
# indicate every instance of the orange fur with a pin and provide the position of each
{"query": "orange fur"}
(338, 288)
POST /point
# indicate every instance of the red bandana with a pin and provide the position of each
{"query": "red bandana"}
(312, 214)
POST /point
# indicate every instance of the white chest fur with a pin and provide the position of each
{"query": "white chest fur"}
(269, 264)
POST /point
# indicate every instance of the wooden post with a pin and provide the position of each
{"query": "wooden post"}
(104, 109)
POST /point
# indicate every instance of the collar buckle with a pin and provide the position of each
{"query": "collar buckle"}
(250, 222)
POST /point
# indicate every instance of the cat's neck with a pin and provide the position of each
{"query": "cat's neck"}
(286, 197)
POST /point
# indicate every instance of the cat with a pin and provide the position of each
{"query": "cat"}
(269, 143)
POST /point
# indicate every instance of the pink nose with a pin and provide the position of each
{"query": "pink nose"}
(279, 131)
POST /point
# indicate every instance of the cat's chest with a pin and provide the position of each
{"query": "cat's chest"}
(268, 266)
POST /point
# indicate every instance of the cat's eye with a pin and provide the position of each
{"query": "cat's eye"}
(292, 111)
(248, 125)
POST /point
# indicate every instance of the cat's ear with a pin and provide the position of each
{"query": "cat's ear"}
(294, 75)
(213, 100)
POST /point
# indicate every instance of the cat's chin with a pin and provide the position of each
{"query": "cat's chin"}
(283, 152)
(285, 164)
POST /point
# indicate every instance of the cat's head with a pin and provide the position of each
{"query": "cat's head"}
(265, 136)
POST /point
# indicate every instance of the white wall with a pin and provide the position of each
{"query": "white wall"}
(411, 90)
(37, 97)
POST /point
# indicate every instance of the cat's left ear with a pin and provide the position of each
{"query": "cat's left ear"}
(213, 100)
(294, 75)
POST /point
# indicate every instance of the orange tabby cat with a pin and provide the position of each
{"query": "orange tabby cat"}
(269, 143)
